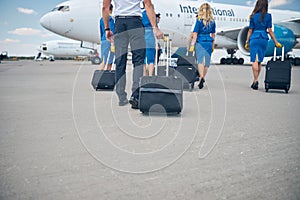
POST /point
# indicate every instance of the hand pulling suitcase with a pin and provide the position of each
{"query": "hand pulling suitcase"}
(162, 94)
(104, 79)
(187, 70)
(278, 73)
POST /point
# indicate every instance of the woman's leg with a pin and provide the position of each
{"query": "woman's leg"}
(255, 71)
(151, 69)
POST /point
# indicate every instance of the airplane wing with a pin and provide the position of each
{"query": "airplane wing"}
(293, 24)
(297, 20)
(230, 33)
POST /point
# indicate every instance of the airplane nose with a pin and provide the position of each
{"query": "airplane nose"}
(45, 22)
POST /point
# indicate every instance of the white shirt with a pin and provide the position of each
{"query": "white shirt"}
(127, 8)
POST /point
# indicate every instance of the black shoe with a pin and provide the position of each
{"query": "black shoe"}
(123, 103)
(201, 83)
(255, 85)
(134, 103)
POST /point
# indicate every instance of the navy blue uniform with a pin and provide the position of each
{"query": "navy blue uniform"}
(149, 39)
(259, 37)
(204, 41)
(105, 45)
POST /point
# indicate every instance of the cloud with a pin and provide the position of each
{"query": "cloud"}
(9, 41)
(25, 31)
(26, 11)
(276, 3)
(249, 3)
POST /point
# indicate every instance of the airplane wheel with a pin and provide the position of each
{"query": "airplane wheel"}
(241, 61)
(235, 61)
(297, 61)
(96, 60)
(228, 61)
(223, 61)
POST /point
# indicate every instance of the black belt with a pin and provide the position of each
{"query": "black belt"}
(127, 17)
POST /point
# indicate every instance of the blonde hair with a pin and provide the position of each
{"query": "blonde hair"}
(205, 13)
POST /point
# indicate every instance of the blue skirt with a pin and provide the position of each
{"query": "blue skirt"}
(203, 52)
(258, 48)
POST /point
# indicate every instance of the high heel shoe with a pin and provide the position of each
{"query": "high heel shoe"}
(254, 86)
(201, 83)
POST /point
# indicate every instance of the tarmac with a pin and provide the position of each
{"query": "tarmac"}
(60, 139)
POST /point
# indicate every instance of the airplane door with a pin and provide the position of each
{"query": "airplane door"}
(188, 21)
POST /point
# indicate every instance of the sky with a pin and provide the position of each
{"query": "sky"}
(21, 33)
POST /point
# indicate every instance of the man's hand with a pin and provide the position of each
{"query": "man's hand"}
(158, 33)
(109, 35)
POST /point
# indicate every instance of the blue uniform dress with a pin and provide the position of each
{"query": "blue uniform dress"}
(259, 37)
(204, 41)
(105, 45)
(149, 39)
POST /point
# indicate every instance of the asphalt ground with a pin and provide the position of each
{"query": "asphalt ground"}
(60, 139)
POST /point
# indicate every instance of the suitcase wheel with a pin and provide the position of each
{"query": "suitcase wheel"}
(191, 86)
(267, 87)
(286, 91)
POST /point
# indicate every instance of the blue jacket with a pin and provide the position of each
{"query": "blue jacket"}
(260, 28)
(204, 31)
(102, 28)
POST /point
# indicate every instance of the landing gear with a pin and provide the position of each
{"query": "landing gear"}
(232, 59)
(294, 60)
(96, 60)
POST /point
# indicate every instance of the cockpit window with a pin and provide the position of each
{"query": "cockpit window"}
(61, 8)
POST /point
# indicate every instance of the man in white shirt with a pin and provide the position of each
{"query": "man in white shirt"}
(129, 30)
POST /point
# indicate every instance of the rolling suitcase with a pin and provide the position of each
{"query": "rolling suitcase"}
(278, 73)
(104, 79)
(162, 94)
(187, 70)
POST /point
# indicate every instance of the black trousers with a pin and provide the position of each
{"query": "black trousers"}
(129, 31)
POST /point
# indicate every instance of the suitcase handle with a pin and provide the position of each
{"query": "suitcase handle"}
(167, 60)
(106, 64)
(282, 53)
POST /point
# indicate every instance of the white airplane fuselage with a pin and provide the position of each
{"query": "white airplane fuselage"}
(81, 22)
(62, 48)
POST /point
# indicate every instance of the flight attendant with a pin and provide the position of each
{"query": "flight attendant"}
(150, 45)
(204, 37)
(259, 27)
(107, 52)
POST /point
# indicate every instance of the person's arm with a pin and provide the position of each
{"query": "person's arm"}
(105, 15)
(152, 17)
(248, 38)
(213, 35)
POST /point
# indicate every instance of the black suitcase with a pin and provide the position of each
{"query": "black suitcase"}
(157, 92)
(278, 74)
(188, 74)
(187, 60)
(187, 70)
(162, 94)
(103, 79)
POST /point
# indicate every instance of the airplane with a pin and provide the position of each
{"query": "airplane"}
(66, 48)
(79, 20)
(3, 55)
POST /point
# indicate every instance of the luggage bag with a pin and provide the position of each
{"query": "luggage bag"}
(104, 79)
(278, 73)
(162, 94)
(187, 70)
